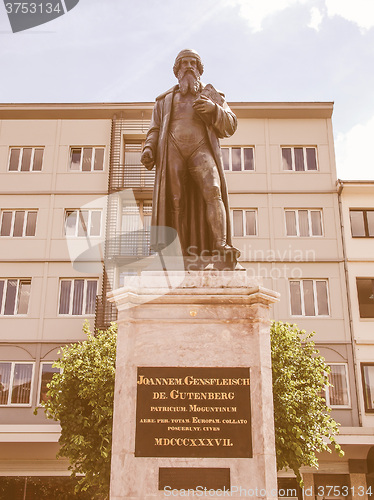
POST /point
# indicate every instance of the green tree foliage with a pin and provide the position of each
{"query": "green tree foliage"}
(303, 425)
(81, 398)
(41, 488)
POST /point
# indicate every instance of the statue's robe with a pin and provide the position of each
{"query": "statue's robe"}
(198, 236)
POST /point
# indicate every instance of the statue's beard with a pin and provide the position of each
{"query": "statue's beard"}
(189, 81)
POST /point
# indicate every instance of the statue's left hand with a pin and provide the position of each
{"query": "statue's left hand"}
(204, 105)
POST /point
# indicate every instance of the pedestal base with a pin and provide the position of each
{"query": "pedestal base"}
(212, 326)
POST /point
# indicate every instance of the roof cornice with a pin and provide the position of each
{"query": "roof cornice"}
(142, 110)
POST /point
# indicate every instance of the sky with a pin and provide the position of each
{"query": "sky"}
(253, 50)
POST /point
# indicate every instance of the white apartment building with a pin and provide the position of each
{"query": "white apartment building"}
(71, 177)
(357, 209)
(53, 161)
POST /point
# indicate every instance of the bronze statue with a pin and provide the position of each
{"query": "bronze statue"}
(190, 193)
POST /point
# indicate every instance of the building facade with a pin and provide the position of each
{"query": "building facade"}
(75, 218)
(357, 218)
(54, 161)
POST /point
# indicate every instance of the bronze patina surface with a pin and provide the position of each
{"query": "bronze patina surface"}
(190, 193)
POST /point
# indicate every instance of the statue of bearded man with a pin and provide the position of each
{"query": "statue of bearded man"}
(190, 193)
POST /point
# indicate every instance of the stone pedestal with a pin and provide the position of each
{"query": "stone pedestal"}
(210, 319)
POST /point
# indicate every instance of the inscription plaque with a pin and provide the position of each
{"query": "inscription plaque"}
(193, 412)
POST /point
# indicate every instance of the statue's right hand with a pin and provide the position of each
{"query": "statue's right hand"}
(147, 158)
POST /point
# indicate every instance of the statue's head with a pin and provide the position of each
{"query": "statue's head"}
(188, 53)
(188, 68)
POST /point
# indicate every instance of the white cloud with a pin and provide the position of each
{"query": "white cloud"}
(360, 12)
(315, 18)
(354, 152)
(255, 11)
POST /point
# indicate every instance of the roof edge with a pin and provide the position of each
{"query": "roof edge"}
(132, 110)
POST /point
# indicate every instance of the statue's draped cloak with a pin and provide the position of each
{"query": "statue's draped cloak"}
(198, 234)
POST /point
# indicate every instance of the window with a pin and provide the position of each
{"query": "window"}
(46, 373)
(299, 159)
(289, 488)
(365, 292)
(14, 296)
(309, 298)
(133, 173)
(303, 222)
(18, 223)
(337, 395)
(333, 486)
(87, 159)
(237, 159)
(244, 222)
(15, 383)
(77, 296)
(362, 223)
(132, 153)
(26, 159)
(82, 222)
(367, 373)
(136, 226)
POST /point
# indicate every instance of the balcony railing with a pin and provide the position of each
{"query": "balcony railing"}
(131, 176)
(105, 313)
(129, 244)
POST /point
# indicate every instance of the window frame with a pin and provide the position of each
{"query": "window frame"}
(145, 218)
(13, 211)
(11, 379)
(365, 220)
(242, 164)
(328, 388)
(71, 299)
(22, 148)
(309, 210)
(140, 203)
(314, 280)
(39, 402)
(94, 148)
(293, 162)
(244, 211)
(132, 146)
(131, 165)
(363, 364)
(362, 278)
(17, 299)
(79, 210)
